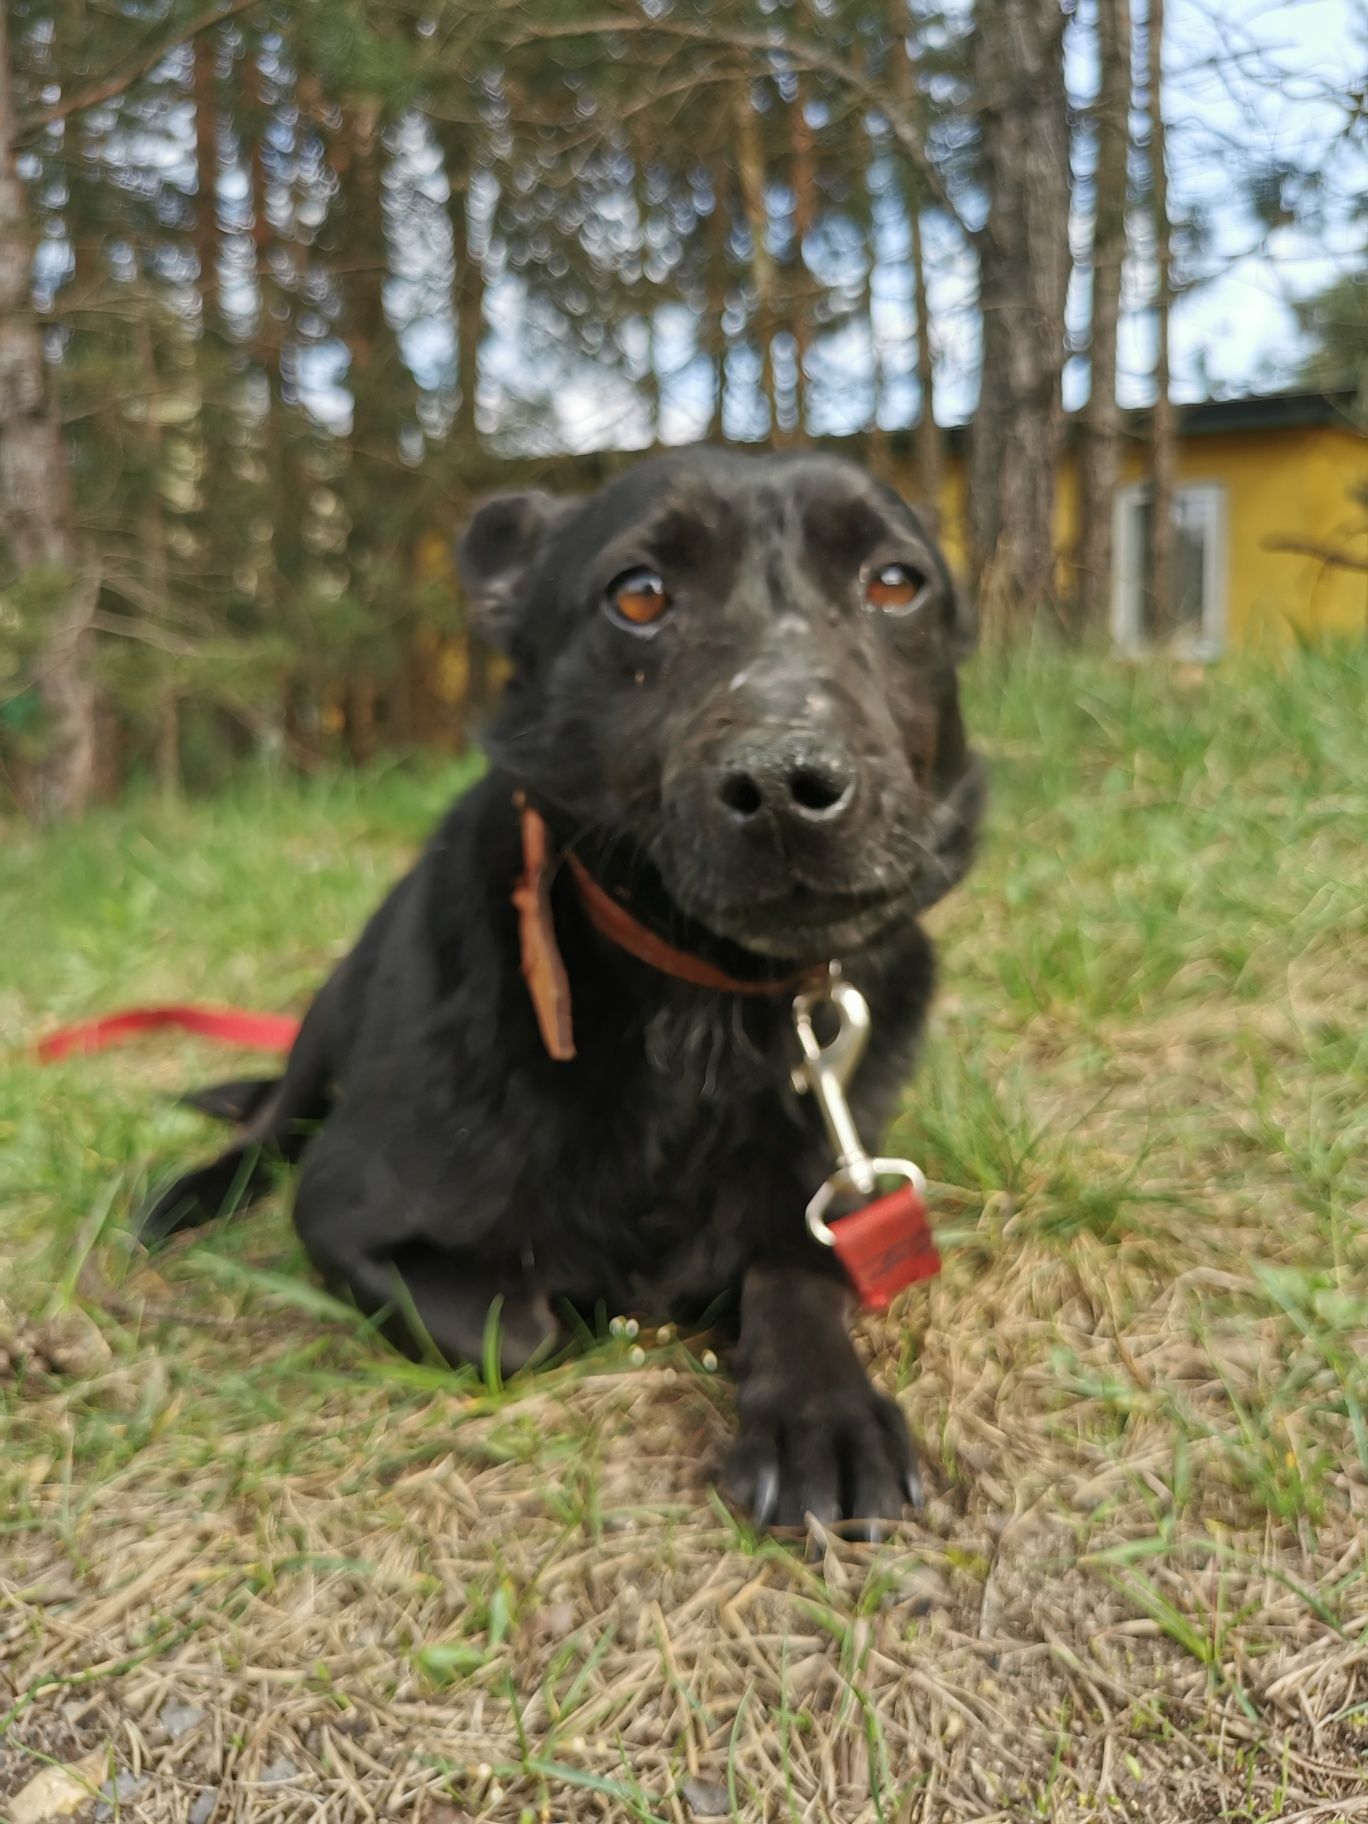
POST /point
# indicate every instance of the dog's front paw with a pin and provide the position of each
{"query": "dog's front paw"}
(841, 1454)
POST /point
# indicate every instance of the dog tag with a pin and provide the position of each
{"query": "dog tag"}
(885, 1246)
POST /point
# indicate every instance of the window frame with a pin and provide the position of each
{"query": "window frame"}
(1128, 572)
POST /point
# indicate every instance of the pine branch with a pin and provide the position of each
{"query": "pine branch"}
(1333, 557)
(800, 54)
(112, 86)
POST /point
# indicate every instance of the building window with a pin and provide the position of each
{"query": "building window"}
(1196, 624)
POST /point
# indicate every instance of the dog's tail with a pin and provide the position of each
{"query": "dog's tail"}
(274, 1117)
(235, 1101)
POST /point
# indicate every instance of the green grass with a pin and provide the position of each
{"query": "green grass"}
(1142, 1380)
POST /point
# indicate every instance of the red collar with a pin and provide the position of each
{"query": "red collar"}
(542, 966)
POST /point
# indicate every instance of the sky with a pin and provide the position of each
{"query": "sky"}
(1237, 331)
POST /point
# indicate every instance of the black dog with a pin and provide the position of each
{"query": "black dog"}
(733, 716)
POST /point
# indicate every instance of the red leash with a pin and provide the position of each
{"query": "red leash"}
(230, 1025)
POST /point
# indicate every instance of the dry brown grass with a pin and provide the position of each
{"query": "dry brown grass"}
(247, 1552)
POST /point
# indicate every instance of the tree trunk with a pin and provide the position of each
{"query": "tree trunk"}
(205, 97)
(378, 492)
(1102, 418)
(929, 443)
(470, 296)
(640, 146)
(1023, 281)
(803, 288)
(281, 510)
(877, 437)
(1163, 452)
(36, 511)
(878, 443)
(166, 759)
(213, 359)
(930, 454)
(360, 718)
(376, 372)
(718, 276)
(152, 555)
(750, 166)
(467, 279)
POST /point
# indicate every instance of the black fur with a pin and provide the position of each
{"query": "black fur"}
(447, 1161)
(236, 1100)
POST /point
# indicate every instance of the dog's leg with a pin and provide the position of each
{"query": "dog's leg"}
(360, 1226)
(815, 1437)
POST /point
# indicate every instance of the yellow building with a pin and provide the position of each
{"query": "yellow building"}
(1271, 492)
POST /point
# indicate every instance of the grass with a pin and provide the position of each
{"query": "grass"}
(380, 1589)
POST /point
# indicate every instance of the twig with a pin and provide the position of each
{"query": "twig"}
(115, 85)
(798, 53)
(1329, 555)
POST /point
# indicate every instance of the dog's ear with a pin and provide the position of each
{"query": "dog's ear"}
(496, 552)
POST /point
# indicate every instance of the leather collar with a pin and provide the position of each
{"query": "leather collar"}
(543, 967)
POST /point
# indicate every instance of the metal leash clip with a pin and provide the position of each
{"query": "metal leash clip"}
(825, 1072)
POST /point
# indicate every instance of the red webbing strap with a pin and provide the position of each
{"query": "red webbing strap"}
(229, 1025)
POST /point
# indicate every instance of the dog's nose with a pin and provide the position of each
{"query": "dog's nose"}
(808, 785)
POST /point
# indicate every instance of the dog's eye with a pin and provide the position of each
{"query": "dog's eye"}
(638, 597)
(896, 588)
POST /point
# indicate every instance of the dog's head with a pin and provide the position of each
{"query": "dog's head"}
(742, 670)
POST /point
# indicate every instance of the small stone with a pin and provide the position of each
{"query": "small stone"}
(709, 1361)
(555, 1621)
(665, 1334)
(51, 1590)
(631, 1327)
(116, 1793)
(920, 1589)
(203, 1808)
(180, 1719)
(72, 1344)
(145, 1383)
(56, 1792)
(704, 1799)
(637, 1357)
(280, 1772)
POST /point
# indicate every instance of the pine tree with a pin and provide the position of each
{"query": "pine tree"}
(53, 581)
